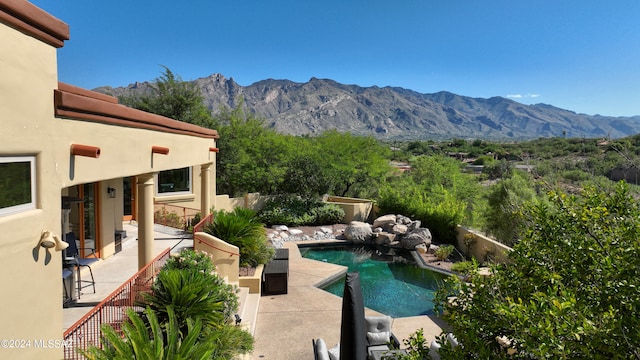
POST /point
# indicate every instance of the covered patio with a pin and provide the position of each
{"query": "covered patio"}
(112, 272)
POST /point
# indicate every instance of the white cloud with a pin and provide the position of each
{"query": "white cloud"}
(520, 96)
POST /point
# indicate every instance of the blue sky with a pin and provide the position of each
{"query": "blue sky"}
(580, 55)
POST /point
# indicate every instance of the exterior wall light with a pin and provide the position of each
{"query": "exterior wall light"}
(111, 192)
(50, 240)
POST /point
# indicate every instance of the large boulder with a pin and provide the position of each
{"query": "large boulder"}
(358, 232)
(416, 237)
(386, 222)
(399, 229)
(384, 238)
(415, 224)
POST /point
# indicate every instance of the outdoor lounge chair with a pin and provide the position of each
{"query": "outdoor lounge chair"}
(72, 259)
(322, 352)
(379, 335)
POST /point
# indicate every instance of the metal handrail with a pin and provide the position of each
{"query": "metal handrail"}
(199, 227)
(183, 215)
(86, 332)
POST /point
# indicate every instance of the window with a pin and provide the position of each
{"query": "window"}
(174, 182)
(17, 184)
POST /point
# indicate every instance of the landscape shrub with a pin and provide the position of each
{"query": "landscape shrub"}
(465, 267)
(192, 293)
(444, 251)
(327, 214)
(441, 218)
(190, 260)
(170, 219)
(144, 336)
(187, 316)
(569, 289)
(291, 210)
(242, 228)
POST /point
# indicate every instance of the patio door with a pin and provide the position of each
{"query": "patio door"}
(84, 217)
(89, 225)
(129, 193)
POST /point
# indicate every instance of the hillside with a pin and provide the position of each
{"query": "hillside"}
(396, 113)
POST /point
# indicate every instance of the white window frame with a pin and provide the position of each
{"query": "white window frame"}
(26, 206)
(174, 193)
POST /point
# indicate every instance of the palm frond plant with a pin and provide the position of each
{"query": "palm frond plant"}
(158, 341)
(242, 228)
(192, 294)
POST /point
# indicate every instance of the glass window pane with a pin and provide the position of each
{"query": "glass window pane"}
(17, 186)
(172, 181)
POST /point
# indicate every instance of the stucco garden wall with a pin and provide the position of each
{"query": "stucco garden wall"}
(480, 247)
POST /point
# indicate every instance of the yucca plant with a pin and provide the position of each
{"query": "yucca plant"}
(242, 228)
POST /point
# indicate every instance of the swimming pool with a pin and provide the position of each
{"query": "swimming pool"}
(392, 285)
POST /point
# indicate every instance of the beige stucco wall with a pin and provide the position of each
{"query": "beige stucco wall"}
(225, 256)
(354, 209)
(31, 301)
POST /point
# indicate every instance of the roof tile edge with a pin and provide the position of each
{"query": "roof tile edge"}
(77, 103)
(33, 21)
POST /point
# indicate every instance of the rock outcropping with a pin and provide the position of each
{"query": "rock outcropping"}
(390, 230)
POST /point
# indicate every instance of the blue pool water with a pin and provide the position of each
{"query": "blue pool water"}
(396, 288)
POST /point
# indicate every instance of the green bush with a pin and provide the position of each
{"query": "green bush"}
(442, 218)
(465, 267)
(187, 316)
(327, 214)
(170, 219)
(569, 289)
(242, 228)
(192, 294)
(190, 260)
(157, 340)
(483, 160)
(444, 251)
(292, 210)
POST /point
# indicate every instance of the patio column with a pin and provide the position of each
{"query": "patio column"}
(205, 189)
(146, 186)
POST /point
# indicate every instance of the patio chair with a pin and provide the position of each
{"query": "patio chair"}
(379, 335)
(72, 259)
(322, 352)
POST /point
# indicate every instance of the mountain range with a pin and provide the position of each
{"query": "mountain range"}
(395, 113)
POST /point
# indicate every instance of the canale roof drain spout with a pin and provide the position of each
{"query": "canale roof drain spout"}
(85, 150)
(160, 150)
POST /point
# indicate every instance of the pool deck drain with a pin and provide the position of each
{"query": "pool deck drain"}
(287, 323)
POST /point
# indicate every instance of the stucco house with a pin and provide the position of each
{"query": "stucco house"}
(72, 160)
